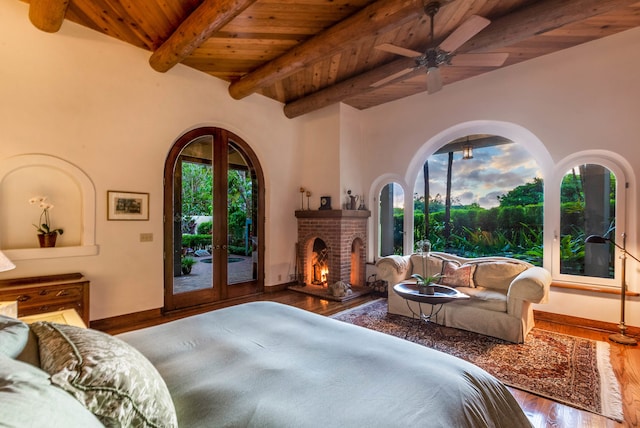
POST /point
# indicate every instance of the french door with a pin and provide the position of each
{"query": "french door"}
(213, 224)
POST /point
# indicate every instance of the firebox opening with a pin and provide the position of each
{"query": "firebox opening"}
(320, 262)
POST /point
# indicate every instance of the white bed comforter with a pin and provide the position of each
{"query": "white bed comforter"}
(265, 364)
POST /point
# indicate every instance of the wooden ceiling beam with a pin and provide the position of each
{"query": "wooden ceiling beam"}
(208, 18)
(536, 19)
(371, 21)
(48, 15)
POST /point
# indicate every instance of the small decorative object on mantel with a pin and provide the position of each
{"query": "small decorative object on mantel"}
(352, 201)
(362, 206)
(308, 196)
(302, 199)
(46, 235)
(325, 203)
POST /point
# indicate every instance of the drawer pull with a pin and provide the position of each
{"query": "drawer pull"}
(62, 293)
(43, 292)
(23, 298)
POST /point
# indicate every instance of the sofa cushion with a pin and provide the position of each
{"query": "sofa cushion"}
(111, 378)
(456, 275)
(485, 298)
(497, 274)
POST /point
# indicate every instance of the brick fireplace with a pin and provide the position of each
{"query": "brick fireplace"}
(336, 238)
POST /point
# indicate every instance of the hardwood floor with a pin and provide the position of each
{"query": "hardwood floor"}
(541, 411)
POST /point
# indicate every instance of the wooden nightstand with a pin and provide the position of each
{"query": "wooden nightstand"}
(67, 316)
(43, 294)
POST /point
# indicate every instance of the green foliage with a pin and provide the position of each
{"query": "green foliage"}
(196, 242)
(197, 183)
(527, 194)
(205, 228)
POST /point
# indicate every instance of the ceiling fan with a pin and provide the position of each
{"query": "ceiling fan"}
(444, 54)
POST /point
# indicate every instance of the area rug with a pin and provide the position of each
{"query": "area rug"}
(567, 369)
(323, 292)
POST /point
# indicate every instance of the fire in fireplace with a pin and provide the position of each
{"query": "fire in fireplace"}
(320, 262)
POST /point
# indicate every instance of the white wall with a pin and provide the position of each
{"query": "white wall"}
(582, 99)
(96, 103)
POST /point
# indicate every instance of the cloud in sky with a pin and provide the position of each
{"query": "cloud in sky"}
(492, 172)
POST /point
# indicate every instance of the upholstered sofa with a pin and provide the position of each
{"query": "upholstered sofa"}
(502, 291)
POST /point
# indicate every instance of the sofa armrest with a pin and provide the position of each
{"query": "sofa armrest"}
(393, 269)
(531, 285)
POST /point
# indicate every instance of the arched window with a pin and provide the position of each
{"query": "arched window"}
(391, 218)
(485, 197)
(592, 198)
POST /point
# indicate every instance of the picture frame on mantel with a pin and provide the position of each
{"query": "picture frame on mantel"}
(128, 206)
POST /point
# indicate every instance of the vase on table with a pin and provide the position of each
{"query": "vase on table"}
(428, 289)
(47, 240)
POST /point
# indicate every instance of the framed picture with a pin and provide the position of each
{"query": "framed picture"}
(127, 205)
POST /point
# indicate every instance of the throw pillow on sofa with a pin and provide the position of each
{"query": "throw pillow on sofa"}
(456, 275)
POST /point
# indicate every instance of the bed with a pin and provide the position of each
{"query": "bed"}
(265, 364)
(259, 364)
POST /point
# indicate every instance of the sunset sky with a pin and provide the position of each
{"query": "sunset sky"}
(493, 171)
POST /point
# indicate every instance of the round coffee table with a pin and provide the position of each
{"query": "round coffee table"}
(441, 295)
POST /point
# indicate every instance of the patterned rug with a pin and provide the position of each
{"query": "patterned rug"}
(567, 369)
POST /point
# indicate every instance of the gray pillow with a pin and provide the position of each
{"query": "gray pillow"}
(111, 378)
(13, 336)
(28, 399)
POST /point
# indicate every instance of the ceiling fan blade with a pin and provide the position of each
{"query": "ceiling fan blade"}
(479, 60)
(391, 77)
(388, 47)
(434, 80)
(464, 32)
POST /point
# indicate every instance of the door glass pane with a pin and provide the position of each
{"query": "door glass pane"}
(193, 217)
(588, 201)
(242, 255)
(391, 229)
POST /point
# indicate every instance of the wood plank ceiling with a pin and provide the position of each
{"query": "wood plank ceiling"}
(308, 54)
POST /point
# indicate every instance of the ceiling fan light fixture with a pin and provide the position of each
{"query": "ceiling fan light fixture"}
(434, 80)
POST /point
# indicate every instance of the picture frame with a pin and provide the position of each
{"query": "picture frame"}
(129, 206)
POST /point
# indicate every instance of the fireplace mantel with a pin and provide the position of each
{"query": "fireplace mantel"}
(332, 213)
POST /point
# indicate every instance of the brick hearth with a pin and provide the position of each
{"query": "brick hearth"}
(344, 232)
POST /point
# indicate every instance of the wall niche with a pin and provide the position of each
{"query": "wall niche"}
(66, 186)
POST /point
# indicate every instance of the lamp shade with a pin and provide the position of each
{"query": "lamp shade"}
(5, 263)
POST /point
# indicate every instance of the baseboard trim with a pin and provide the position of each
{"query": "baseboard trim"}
(582, 322)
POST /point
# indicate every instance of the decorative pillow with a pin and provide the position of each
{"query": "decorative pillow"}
(498, 274)
(28, 399)
(455, 275)
(13, 336)
(112, 379)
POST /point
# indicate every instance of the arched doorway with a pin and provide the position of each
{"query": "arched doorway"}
(214, 218)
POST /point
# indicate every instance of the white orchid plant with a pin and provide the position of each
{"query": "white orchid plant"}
(423, 248)
(44, 226)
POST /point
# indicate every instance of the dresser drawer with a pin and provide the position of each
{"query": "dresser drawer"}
(38, 295)
(34, 297)
(49, 307)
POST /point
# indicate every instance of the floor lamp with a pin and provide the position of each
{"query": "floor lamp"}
(618, 337)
